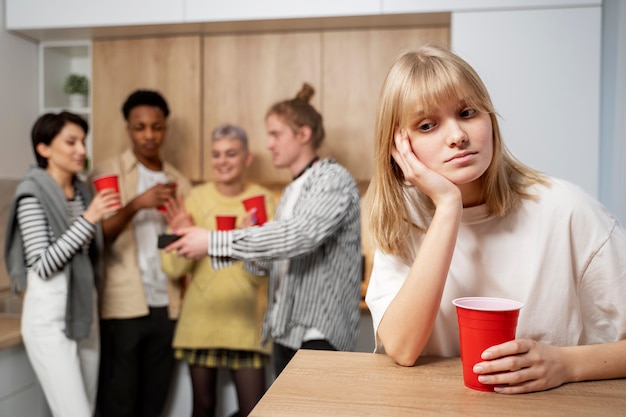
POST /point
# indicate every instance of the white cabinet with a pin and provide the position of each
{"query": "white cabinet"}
(39, 14)
(424, 6)
(29, 15)
(213, 11)
(57, 60)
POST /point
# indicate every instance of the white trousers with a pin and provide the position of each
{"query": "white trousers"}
(67, 369)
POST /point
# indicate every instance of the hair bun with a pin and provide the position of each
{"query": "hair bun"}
(305, 93)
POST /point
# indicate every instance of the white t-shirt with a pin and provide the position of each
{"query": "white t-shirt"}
(563, 256)
(148, 224)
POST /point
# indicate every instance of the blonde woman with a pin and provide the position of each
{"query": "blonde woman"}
(454, 214)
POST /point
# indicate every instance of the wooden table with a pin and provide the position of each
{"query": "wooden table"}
(322, 383)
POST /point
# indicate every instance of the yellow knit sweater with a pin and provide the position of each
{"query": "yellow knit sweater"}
(222, 308)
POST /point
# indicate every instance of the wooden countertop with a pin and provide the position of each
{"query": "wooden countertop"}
(10, 334)
(324, 383)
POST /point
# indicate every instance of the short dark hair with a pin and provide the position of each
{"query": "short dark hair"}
(48, 126)
(145, 98)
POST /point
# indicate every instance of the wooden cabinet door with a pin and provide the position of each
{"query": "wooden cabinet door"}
(355, 63)
(170, 65)
(244, 75)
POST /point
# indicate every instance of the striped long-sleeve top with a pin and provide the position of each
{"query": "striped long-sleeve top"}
(322, 241)
(43, 254)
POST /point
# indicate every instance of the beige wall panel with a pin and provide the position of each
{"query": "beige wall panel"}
(171, 65)
(355, 63)
(244, 75)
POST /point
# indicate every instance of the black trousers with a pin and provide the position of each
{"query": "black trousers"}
(281, 355)
(136, 365)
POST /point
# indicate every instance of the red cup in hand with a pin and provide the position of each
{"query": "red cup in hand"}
(483, 322)
(103, 182)
(225, 222)
(107, 181)
(172, 186)
(257, 202)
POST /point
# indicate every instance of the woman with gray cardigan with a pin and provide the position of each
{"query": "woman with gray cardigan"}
(51, 252)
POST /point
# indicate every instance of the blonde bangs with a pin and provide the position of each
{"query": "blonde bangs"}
(431, 81)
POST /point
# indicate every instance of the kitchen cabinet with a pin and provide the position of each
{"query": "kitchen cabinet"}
(245, 74)
(80, 14)
(214, 79)
(63, 14)
(426, 6)
(170, 65)
(41, 14)
(529, 55)
(354, 65)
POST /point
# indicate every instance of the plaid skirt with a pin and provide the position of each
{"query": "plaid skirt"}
(222, 358)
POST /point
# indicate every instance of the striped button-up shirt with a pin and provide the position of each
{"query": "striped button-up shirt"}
(322, 241)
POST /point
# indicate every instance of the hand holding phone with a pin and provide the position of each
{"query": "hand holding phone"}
(166, 239)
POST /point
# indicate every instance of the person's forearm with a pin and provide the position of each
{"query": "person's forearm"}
(113, 226)
(409, 319)
(593, 362)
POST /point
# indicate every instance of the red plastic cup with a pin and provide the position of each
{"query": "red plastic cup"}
(225, 222)
(257, 202)
(102, 182)
(483, 322)
(172, 185)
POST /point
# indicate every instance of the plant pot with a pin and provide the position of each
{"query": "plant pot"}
(77, 101)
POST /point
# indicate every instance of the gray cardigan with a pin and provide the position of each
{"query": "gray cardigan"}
(82, 272)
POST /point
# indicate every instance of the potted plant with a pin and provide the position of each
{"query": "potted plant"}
(76, 87)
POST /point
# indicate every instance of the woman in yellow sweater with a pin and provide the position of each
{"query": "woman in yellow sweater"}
(223, 308)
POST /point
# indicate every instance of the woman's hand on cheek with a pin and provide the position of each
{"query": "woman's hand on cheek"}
(521, 366)
(433, 184)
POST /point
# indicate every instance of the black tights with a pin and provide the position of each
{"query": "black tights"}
(249, 383)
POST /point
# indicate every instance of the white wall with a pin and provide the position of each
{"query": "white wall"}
(613, 109)
(545, 84)
(18, 101)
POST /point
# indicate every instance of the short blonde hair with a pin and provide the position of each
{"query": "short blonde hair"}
(429, 76)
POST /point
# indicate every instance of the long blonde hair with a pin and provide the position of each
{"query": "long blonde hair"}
(429, 76)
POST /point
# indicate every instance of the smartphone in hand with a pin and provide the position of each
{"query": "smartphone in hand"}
(166, 239)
